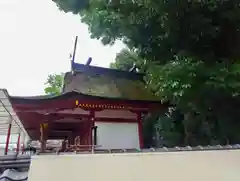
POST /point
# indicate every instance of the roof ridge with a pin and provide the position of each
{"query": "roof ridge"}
(107, 71)
(105, 68)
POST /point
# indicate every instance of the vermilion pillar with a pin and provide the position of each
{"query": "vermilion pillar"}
(8, 137)
(92, 117)
(95, 135)
(18, 142)
(22, 142)
(140, 130)
(43, 128)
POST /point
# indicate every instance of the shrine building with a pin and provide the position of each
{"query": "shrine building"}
(98, 107)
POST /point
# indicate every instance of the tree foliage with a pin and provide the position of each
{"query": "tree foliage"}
(207, 95)
(127, 59)
(54, 84)
(192, 52)
(207, 30)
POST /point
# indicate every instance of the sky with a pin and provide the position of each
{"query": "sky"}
(36, 39)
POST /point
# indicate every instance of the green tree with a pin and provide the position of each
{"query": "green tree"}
(193, 50)
(54, 84)
(127, 59)
(207, 30)
(124, 60)
(207, 95)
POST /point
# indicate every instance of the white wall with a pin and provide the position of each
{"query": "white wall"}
(176, 166)
(117, 135)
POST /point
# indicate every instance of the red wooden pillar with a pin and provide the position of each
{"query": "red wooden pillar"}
(41, 137)
(43, 127)
(70, 139)
(140, 130)
(18, 142)
(22, 148)
(8, 137)
(92, 117)
(22, 143)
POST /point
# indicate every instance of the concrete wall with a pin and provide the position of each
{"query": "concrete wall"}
(172, 166)
(117, 135)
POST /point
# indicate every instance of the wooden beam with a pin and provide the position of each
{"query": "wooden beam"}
(85, 101)
(116, 120)
(57, 116)
(66, 126)
(56, 137)
(62, 131)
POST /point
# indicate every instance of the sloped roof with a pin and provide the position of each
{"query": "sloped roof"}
(109, 83)
(7, 113)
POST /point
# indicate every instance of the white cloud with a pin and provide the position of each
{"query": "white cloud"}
(36, 39)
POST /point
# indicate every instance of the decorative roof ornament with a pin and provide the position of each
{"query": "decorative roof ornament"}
(134, 68)
(73, 55)
(89, 61)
